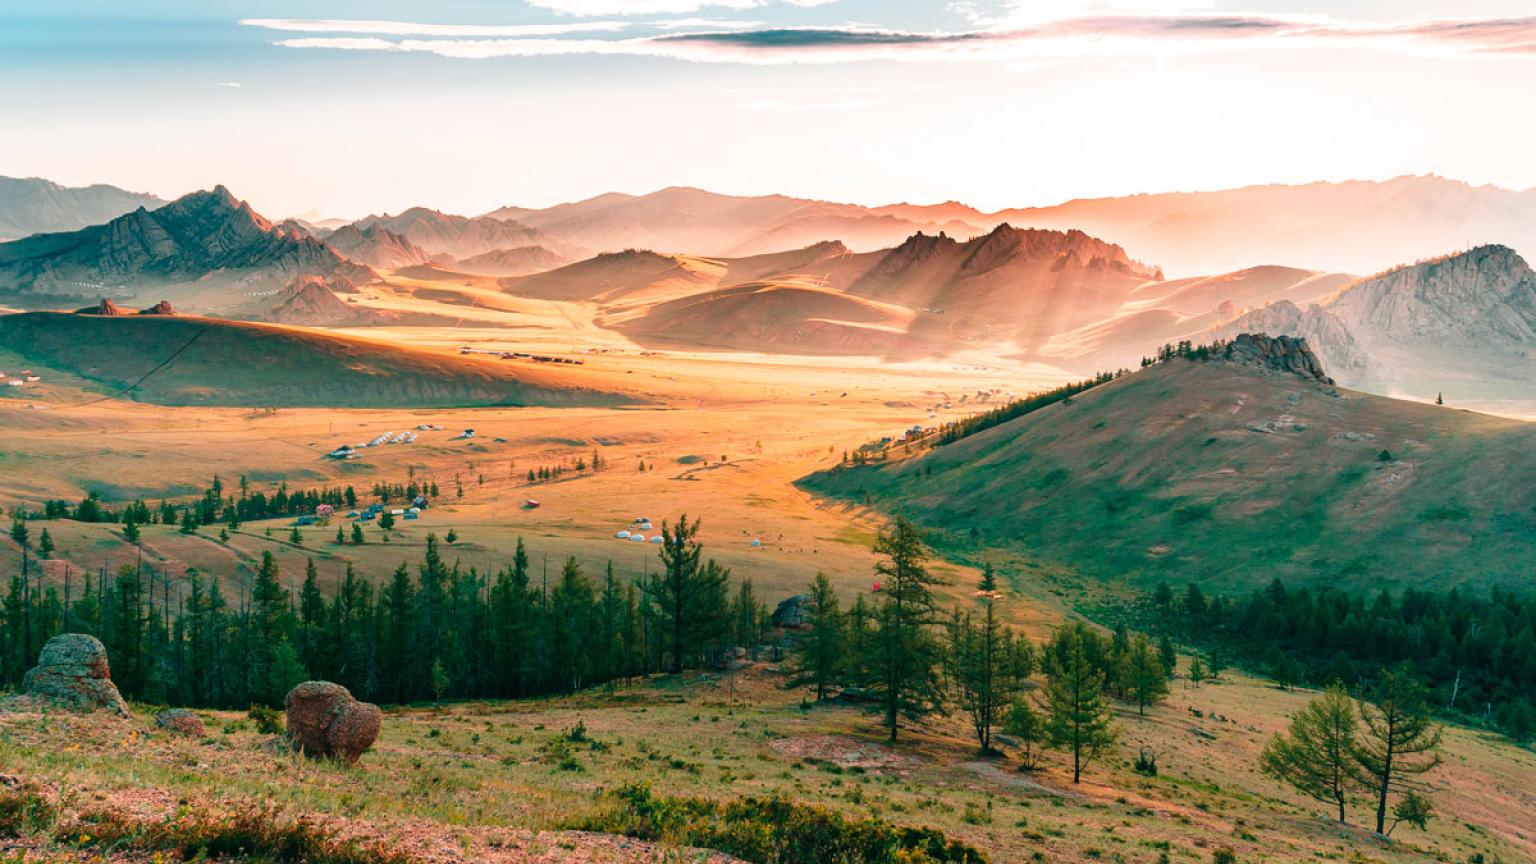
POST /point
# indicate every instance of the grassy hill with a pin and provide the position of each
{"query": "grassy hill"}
(203, 361)
(1232, 476)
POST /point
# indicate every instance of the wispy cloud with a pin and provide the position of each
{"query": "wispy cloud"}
(1092, 36)
(640, 7)
(704, 24)
(408, 28)
(235, 84)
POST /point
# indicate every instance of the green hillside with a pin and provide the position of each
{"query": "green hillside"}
(202, 361)
(1232, 476)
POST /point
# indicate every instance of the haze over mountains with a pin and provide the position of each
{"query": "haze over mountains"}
(898, 282)
(32, 205)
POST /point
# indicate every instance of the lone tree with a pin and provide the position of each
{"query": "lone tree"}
(1077, 714)
(1400, 740)
(989, 665)
(822, 654)
(688, 596)
(1023, 724)
(902, 672)
(1318, 754)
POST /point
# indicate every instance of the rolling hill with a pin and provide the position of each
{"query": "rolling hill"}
(35, 206)
(205, 251)
(1231, 475)
(517, 261)
(1463, 325)
(202, 361)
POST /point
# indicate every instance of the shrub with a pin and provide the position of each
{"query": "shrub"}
(267, 720)
(24, 810)
(262, 834)
(1223, 855)
(772, 830)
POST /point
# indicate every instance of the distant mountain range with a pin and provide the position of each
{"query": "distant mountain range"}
(206, 250)
(32, 206)
(1356, 226)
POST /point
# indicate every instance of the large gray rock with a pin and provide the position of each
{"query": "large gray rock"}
(325, 722)
(793, 613)
(72, 671)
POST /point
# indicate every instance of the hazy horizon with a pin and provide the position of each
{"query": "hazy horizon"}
(347, 109)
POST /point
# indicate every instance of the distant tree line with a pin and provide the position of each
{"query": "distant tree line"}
(953, 432)
(441, 632)
(1477, 653)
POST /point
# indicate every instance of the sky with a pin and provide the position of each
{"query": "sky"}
(345, 107)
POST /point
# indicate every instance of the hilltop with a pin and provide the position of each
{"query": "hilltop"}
(457, 237)
(201, 361)
(1231, 474)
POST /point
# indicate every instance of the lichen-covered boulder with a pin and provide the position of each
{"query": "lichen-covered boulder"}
(181, 722)
(72, 671)
(325, 722)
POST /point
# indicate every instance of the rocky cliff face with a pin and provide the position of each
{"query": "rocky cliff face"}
(1464, 324)
(1281, 353)
(1482, 298)
(208, 236)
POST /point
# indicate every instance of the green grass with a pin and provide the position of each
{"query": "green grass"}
(1162, 475)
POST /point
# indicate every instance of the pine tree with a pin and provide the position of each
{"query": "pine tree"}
(689, 597)
(1077, 715)
(1167, 655)
(357, 534)
(311, 619)
(821, 653)
(131, 532)
(268, 627)
(1400, 740)
(1318, 754)
(397, 618)
(1142, 677)
(44, 544)
(1024, 725)
(128, 625)
(989, 665)
(571, 607)
(902, 669)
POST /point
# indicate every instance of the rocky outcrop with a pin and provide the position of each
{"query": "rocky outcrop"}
(1482, 298)
(1281, 353)
(105, 307)
(459, 237)
(325, 722)
(162, 308)
(181, 722)
(72, 671)
(793, 613)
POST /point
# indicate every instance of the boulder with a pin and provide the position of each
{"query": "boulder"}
(162, 308)
(105, 307)
(72, 671)
(793, 613)
(325, 722)
(181, 722)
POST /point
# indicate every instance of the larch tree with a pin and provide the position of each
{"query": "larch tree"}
(1400, 741)
(988, 667)
(688, 594)
(902, 672)
(822, 653)
(1077, 716)
(1318, 753)
(1143, 679)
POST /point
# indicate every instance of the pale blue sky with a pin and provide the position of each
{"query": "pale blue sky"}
(354, 107)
